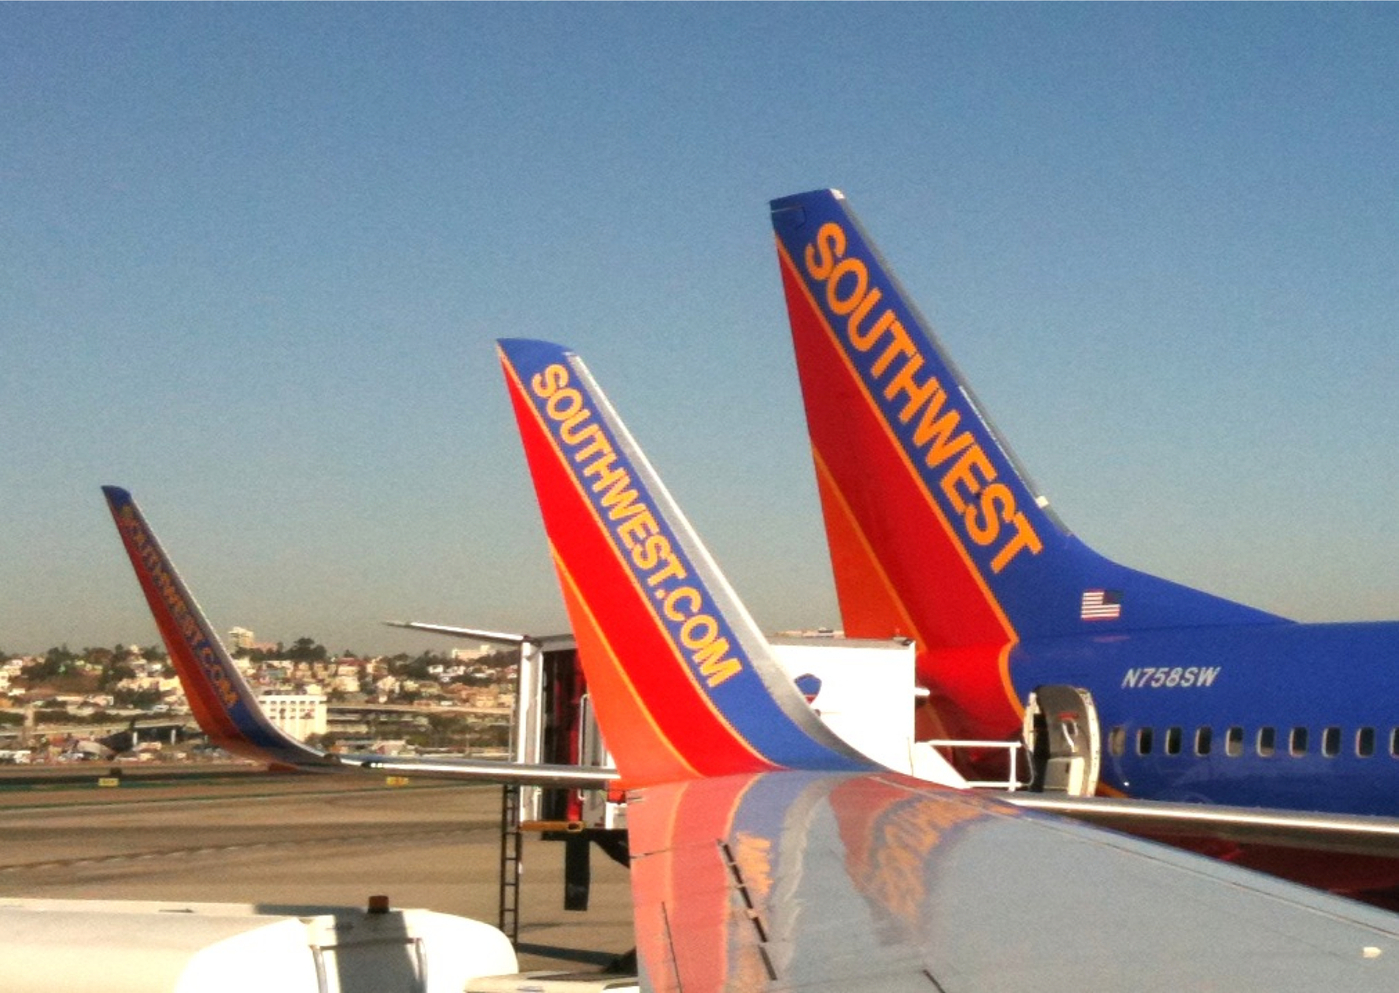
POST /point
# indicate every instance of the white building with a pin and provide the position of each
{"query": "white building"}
(240, 638)
(471, 654)
(299, 715)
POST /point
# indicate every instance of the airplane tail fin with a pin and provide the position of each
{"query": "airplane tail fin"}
(936, 531)
(683, 682)
(219, 696)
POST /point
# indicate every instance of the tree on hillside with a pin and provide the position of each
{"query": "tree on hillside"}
(418, 667)
(500, 659)
(114, 672)
(306, 650)
(137, 698)
(56, 662)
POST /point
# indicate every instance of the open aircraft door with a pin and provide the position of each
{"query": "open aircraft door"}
(1062, 740)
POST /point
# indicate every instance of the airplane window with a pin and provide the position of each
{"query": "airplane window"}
(1172, 741)
(1365, 742)
(1143, 741)
(1394, 742)
(1331, 742)
(1204, 738)
(1117, 740)
(1234, 742)
(1267, 741)
(1298, 743)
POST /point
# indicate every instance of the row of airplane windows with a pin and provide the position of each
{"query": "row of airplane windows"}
(1266, 741)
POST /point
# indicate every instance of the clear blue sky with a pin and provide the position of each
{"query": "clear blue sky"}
(253, 259)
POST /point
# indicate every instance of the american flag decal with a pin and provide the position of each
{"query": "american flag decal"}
(1100, 605)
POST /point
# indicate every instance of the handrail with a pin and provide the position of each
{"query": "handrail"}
(1012, 781)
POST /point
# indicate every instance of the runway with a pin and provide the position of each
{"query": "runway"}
(280, 840)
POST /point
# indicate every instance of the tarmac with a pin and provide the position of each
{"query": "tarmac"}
(272, 839)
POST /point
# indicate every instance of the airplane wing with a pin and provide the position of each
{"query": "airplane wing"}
(491, 637)
(765, 856)
(227, 709)
(806, 881)
(1283, 828)
(1294, 844)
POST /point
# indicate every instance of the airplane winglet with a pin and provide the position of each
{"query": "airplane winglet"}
(219, 696)
(683, 681)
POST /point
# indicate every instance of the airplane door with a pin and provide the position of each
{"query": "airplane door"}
(1061, 738)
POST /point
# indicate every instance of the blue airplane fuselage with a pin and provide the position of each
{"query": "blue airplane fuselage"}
(1283, 715)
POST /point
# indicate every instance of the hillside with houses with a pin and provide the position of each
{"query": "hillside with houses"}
(76, 705)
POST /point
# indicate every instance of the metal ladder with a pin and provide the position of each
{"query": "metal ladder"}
(511, 846)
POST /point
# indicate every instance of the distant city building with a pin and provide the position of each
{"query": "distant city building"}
(299, 715)
(240, 638)
(243, 640)
(470, 654)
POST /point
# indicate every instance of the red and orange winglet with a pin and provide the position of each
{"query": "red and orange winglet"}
(220, 698)
(683, 681)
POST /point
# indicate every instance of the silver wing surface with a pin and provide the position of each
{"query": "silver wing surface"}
(818, 881)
